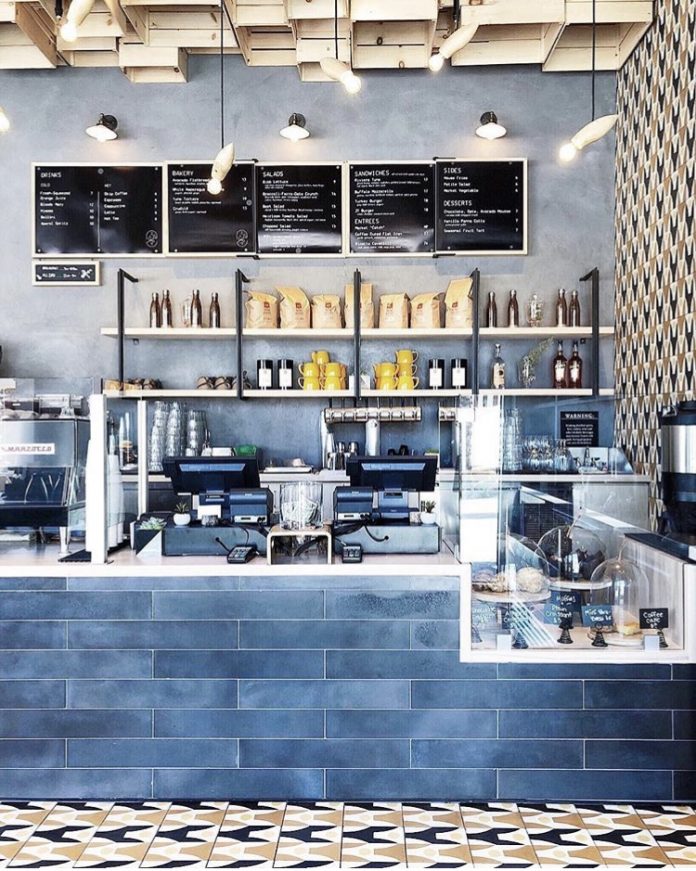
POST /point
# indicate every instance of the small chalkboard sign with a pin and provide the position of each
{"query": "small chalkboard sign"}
(392, 208)
(54, 273)
(483, 614)
(654, 618)
(597, 616)
(481, 206)
(200, 223)
(299, 209)
(562, 607)
(580, 429)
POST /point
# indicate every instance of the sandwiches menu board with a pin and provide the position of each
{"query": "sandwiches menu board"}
(98, 209)
(392, 208)
(299, 209)
(200, 223)
(481, 206)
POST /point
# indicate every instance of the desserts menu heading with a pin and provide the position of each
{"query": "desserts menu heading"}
(297, 209)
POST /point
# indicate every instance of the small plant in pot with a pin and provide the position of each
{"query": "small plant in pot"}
(428, 513)
(182, 514)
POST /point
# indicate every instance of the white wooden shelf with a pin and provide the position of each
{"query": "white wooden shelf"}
(173, 393)
(542, 332)
(278, 333)
(406, 394)
(298, 394)
(545, 391)
(168, 333)
(417, 333)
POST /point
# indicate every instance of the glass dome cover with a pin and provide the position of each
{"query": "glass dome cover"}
(521, 567)
(572, 552)
(627, 585)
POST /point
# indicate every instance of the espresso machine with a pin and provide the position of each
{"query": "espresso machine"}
(678, 425)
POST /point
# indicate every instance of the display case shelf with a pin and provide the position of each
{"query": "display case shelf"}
(542, 332)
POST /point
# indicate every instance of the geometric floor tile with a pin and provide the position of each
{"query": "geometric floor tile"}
(249, 835)
(622, 836)
(373, 835)
(310, 836)
(497, 837)
(125, 836)
(674, 830)
(435, 836)
(186, 835)
(60, 840)
(18, 822)
(558, 836)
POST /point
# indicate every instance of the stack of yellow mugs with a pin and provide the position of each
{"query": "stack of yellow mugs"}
(400, 375)
(321, 373)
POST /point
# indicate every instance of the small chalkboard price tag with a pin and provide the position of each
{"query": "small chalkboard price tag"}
(597, 616)
(49, 273)
(654, 618)
(483, 614)
(555, 612)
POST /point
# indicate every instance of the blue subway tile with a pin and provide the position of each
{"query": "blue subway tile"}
(324, 753)
(32, 754)
(584, 671)
(335, 582)
(153, 634)
(387, 694)
(399, 784)
(404, 664)
(75, 606)
(586, 724)
(32, 584)
(75, 724)
(153, 753)
(646, 755)
(684, 725)
(77, 784)
(239, 604)
(330, 634)
(563, 786)
(75, 663)
(435, 634)
(401, 605)
(243, 784)
(152, 694)
(32, 694)
(239, 663)
(193, 582)
(626, 694)
(684, 671)
(239, 724)
(411, 724)
(496, 694)
(496, 754)
(685, 786)
(32, 634)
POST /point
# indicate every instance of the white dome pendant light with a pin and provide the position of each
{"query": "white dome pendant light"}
(455, 42)
(336, 69)
(597, 127)
(296, 129)
(225, 156)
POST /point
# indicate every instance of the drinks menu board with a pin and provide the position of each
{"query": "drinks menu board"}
(299, 209)
(200, 223)
(91, 209)
(392, 208)
(481, 206)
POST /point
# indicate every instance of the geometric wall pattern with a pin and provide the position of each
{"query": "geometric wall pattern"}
(655, 234)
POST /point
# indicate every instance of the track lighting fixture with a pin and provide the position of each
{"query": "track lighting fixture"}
(296, 128)
(336, 69)
(455, 42)
(76, 14)
(489, 127)
(104, 130)
(225, 156)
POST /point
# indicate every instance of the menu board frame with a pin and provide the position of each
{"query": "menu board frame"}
(263, 164)
(73, 255)
(205, 254)
(347, 202)
(512, 252)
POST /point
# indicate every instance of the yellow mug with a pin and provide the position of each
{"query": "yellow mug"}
(384, 370)
(386, 383)
(321, 357)
(407, 382)
(333, 370)
(405, 369)
(310, 384)
(333, 382)
(309, 370)
(406, 357)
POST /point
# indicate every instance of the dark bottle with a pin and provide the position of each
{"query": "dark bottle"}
(513, 310)
(155, 312)
(214, 314)
(575, 368)
(491, 311)
(561, 309)
(166, 310)
(560, 369)
(196, 310)
(574, 310)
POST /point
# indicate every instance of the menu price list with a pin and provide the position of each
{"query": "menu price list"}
(481, 206)
(392, 208)
(299, 209)
(98, 209)
(202, 223)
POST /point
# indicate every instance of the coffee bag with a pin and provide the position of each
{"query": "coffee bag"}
(295, 310)
(394, 311)
(261, 311)
(459, 306)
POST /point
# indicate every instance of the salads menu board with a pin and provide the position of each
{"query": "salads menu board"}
(299, 209)
(85, 209)
(392, 208)
(200, 223)
(481, 206)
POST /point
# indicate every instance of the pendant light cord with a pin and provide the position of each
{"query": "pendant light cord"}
(222, 74)
(336, 27)
(594, 53)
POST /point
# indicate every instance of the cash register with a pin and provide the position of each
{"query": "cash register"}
(229, 508)
(375, 509)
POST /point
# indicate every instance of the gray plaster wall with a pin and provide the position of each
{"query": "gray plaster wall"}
(410, 114)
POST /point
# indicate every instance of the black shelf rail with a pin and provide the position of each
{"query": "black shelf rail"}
(475, 334)
(593, 277)
(240, 280)
(123, 276)
(357, 338)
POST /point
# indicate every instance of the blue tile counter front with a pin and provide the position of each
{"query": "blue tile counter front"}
(344, 688)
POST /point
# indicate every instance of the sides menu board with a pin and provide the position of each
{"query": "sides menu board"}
(392, 208)
(481, 206)
(299, 209)
(85, 209)
(200, 223)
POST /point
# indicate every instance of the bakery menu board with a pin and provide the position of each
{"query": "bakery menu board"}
(200, 223)
(481, 206)
(392, 208)
(299, 209)
(98, 209)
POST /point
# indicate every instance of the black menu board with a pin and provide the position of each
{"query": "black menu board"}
(392, 208)
(89, 209)
(481, 206)
(299, 208)
(200, 223)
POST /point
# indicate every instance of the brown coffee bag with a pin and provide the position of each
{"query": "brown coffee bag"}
(394, 311)
(367, 307)
(459, 306)
(426, 311)
(326, 312)
(295, 310)
(261, 311)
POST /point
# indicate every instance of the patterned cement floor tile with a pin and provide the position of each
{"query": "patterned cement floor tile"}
(249, 835)
(186, 835)
(621, 836)
(60, 840)
(674, 829)
(373, 835)
(310, 836)
(18, 822)
(558, 836)
(125, 836)
(497, 837)
(435, 836)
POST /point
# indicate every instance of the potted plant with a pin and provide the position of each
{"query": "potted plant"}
(428, 512)
(182, 514)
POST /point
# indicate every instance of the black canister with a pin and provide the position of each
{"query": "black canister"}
(264, 374)
(285, 374)
(436, 373)
(458, 373)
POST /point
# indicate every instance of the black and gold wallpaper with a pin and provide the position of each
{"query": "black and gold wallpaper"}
(655, 234)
